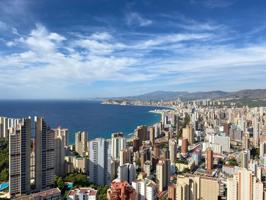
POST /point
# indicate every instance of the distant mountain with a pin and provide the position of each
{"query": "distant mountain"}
(250, 94)
(173, 95)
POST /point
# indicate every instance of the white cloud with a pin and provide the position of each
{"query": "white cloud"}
(41, 40)
(136, 19)
(101, 36)
(188, 58)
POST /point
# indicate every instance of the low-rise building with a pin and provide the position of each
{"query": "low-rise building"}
(82, 193)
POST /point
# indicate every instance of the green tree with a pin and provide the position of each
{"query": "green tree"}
(4, 162)
(78, 179)
(4, 175)
(102, 192)
(60, 183)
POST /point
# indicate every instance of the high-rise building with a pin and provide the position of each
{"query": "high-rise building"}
(184, 147)
(244, 157)
(100, 161)
(232, 191)
(127, 172)
(209, 159)
(145, 189)
(186, 188)
(32, 162)
(209, 188)
(60, 144)
(162, 174)
(222, 140)
(118, 143)
(152, 135)
(63, 132)
(245, 141)
(262, 149)
(197, 187)
(142, 133)
(187, 133)
(147, 167)
(81, 143)
(256, 134)
(3, 127)
(172, 150)
(19, 158)
(171, 192)
(44, 155)
(244, 186)
(125, 156)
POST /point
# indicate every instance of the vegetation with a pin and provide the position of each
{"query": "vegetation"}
(3, 160)
(182, 162)
(77, 179)
(102, 192)
(80, 180)
(60, 183)
(246, 102)
(232, 162)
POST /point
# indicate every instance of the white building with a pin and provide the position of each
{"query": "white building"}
(217, 148)
(244, 186)
(100, 161)
(222, 140)
(145, 189)
(82, 193)
(126, 172)
(118, 144)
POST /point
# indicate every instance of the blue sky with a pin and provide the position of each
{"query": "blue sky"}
(97, 48)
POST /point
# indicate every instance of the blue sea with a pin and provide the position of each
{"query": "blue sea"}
(98, 119)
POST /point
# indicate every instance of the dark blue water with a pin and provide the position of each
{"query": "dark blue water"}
(98, 119)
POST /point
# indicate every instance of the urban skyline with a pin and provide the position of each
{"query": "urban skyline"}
(133, 99)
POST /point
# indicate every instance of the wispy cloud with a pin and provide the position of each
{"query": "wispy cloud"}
(135, 19)
(214, 3)
(53, 60)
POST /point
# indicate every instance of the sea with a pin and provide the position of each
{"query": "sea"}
(100, 120)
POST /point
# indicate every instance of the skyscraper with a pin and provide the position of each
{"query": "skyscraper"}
(187, 133)
(209, 159)
(244, 186)
(152, 135)
(184, 147)
(99, 161)
(118, 143)
(81, 143)
(127, 172)
(63, 132)
(44, 155)
(3, 127)
(162, 174)
(125, 156)
(145, 189)
(60, 144)
(262, 149)
(19, 158)
(172, 150)
(244, 159)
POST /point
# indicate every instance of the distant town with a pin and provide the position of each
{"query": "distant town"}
(202, 149)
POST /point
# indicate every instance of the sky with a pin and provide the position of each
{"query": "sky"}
(80, 49)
